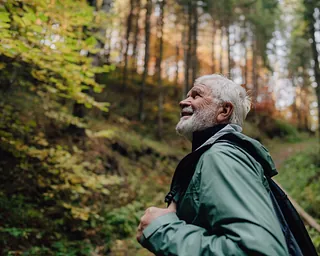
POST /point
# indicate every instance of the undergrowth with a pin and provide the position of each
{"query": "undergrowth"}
(300, 177)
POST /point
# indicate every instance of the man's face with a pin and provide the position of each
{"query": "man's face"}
(198, 111)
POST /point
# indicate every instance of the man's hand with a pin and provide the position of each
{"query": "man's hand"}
(151, 214)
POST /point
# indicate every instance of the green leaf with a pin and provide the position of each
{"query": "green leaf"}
(4, 25)
(36, 28)
(4, 17)
(91, 41)
(22, 47)
(31, 17)
(42, 17)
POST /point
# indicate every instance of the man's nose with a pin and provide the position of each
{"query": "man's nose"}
(185, 103)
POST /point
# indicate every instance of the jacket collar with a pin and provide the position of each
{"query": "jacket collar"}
(260, 151)
(230, 128)
(200, 137)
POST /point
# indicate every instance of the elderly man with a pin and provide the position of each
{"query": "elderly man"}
(219, 202)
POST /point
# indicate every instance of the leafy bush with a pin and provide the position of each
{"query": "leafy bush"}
(286, 130)
(275, 128)
(51, 192)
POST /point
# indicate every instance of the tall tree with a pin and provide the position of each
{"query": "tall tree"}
(299, 62)
(310, 7)
(188, 49)
(228, 20)
(177, 60)
(255, 74)
(228, 28)
(194, 57)
(137, 10)
(158, 66)
(213, 39)
(146, 60)
(244, 38)
(221, 36)
(128, 32)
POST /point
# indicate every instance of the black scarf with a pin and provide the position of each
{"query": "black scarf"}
(200, 137)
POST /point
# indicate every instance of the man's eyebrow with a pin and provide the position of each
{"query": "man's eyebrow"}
(198, 90)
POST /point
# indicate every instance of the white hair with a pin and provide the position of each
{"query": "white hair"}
(225, 90)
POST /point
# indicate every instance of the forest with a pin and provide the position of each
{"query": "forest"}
(89, 98)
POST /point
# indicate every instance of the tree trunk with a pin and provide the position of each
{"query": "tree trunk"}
(254, 71)
(108, 44)
(299, 110)
(306, 113)
(189, 48)
(158, 68)
(177, 58)
(228, 48)
(177, 63)
(128, 32)
(245, 35)
(295, 115)
(305, 99)
(78, 111)
(213, 57)
(136, 36)
(246, 65)
(221, 50)
(146, 60)
(310, 7)
(194, 61)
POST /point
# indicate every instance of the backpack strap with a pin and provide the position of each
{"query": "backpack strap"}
(296, 235)
(183, 174)
(293, 220)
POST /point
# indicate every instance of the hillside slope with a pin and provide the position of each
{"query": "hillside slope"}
(70, 194)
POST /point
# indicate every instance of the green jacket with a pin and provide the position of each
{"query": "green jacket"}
(226, 209)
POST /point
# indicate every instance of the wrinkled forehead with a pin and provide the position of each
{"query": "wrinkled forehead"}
(206, 85)
(207, 81)
(200, 88)
(216, 84)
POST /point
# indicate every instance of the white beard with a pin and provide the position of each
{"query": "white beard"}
(198, 121)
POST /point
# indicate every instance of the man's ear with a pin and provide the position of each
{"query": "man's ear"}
(224, 113)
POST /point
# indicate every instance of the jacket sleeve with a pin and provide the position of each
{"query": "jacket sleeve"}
(234, 207)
